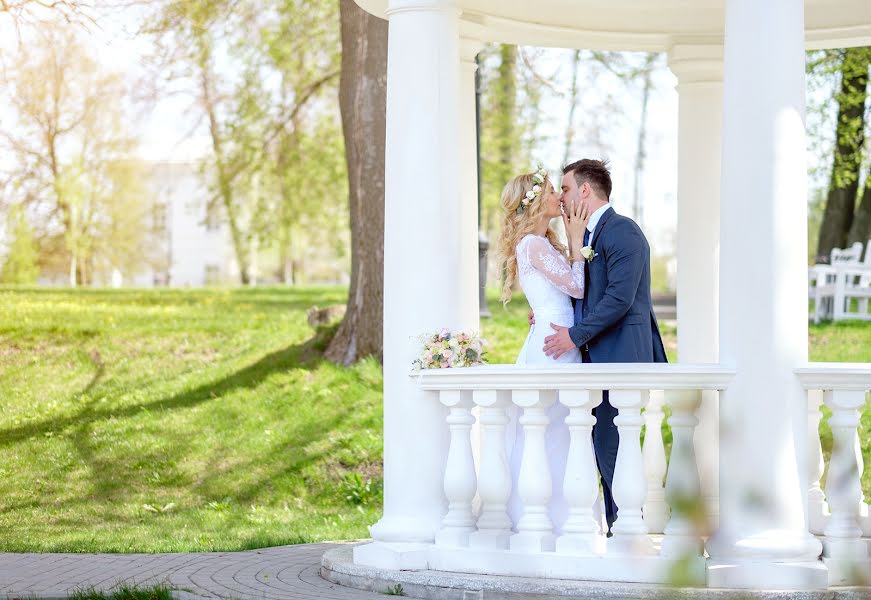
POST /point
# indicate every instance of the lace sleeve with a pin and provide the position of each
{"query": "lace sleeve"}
(545, 259)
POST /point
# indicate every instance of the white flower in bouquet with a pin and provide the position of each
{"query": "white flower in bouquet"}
(444, 350)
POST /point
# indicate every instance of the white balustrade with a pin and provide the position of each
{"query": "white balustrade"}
(817, 507)
(655, 508)
(494, 480)
(682, 487)
(487, 542)
(534, 529)
(839, 514)
(629, 486)
(580, 533)
(460, 482)
(843, 484)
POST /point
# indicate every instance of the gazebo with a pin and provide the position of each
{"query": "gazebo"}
(745, 402)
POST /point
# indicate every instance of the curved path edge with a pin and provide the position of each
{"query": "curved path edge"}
(337, 566)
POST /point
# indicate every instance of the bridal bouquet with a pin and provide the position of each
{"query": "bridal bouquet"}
(443, 350)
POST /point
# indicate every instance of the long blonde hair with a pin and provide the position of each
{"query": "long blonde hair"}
(517, 225)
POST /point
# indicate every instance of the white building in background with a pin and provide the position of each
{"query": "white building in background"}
(192, 238)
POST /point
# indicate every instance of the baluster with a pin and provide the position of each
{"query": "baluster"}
(682, 487)
(581, 483)
(534, 529)
(459, 481)
(630, 485)
(817, 507)
(839, 310)
(864, 520)
(494, 479)
(655, 508)
(843, 485)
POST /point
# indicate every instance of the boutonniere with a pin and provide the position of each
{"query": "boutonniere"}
(588, 253)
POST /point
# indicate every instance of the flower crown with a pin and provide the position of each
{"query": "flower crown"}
(538, 180)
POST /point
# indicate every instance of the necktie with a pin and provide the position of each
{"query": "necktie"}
(586, 237)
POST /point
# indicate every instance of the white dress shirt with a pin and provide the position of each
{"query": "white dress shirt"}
(594, 219)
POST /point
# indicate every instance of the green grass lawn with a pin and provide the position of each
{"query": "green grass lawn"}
(179, 420)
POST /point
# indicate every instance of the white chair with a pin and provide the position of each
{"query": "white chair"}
(853, 282)
(865, 280)
(822, 279)
(850, 255)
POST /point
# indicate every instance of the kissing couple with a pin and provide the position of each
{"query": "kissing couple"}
(589, 303)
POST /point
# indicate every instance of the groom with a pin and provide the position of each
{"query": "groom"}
(614, 323)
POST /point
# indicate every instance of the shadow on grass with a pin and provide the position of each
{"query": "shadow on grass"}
(265, 298)
(307, 355)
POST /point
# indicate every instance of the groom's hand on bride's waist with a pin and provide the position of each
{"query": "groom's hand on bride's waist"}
(531, 318)
(559, 343)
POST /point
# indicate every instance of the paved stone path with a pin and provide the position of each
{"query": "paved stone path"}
(286, 572)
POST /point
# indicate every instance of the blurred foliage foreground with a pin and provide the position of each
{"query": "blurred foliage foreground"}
(159, 421)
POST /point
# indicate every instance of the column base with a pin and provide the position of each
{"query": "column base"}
(848, 571)
(630, 545)
(852, 548)
(398, 528)
(581, 543)
(490, 540)
(454, 536)
(532, 541)
(763, 575)
(677, 546)
(771, 546)
(394, 556)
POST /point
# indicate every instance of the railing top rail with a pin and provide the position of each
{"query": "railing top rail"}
(831, 376)
(615, 376)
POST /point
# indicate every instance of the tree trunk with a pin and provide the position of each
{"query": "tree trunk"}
(225, 184)
(849, 135)
(362, 100)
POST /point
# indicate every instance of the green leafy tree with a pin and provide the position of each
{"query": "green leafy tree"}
(272, 90)
(68, 132)
(20, 263)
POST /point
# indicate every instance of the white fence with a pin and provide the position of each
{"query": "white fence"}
(656, 535)
(841, 289)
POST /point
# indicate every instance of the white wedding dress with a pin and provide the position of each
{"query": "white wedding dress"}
(549, 283)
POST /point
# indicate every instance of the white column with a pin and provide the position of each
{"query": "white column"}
(653, 452)
(699, 71)
(467, 268)
(422, 292)
(763, 539)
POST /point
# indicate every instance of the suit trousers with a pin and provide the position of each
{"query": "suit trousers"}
(606, 440)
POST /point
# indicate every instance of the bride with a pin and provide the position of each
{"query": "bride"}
(550, 277)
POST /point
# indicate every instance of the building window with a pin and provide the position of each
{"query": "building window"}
(160, 214)
(213, 274)
(213, 216)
